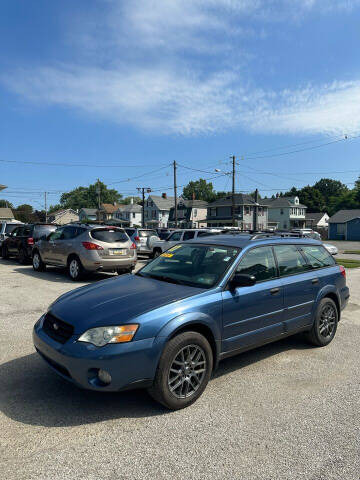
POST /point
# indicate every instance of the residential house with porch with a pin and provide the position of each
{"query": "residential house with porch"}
(86, 214)
(190, 214)
(157, 210)
(285, 213)
(219, 213)
(131, 213)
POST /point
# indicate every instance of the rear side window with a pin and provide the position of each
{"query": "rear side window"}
(317, 256)
(290, 260)
(109, 235)
(207, 234)
(188, 235)
(259, 262)
(43, 230)
(26, 232)
(9, 228)
(129, 231)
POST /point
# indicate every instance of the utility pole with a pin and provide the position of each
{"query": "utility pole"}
(256, 209)
(233, 190)
(142, 190)
(175, 195)
(45, 201)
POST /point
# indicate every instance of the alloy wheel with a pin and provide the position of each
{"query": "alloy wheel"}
(74, 268)
(327, 321)
(36, 261)
(187, 371)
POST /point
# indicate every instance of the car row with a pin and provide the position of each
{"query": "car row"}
(167, 327)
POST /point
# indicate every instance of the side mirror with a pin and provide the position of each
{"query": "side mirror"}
(242, 280)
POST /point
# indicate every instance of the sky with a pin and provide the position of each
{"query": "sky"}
(119, 89)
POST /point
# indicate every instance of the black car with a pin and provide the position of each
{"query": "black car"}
(21, 240)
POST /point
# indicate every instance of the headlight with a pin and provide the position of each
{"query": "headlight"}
(101, 336)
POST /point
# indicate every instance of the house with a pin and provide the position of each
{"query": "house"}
(190, 214)
(157, 210)
(317, 220)
(107, 211)
(285, 212)
(6, 215)
(62, 217)
(219, 213)
(86, 214)
(345, 225)
(131, 213)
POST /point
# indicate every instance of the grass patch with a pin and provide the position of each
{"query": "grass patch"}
(357, 252)
(348, 263)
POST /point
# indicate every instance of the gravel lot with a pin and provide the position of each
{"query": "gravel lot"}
(284, 411)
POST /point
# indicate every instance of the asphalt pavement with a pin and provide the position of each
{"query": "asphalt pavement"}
(283, 411)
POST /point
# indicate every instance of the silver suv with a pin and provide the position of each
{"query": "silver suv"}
(83, 248)
(143, 239)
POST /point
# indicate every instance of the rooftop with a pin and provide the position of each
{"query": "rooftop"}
(240, 199)
(6, 213)
(281, 202)
(343, 216)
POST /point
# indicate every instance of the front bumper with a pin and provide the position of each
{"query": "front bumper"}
(131, 365)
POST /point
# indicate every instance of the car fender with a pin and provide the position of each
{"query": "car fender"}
(322, 293)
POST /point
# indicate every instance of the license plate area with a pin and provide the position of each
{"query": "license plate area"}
(117, 251)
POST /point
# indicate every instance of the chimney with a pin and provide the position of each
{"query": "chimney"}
(164, 195)
(131, 200)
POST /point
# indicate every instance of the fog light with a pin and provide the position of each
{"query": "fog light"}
(104, 377)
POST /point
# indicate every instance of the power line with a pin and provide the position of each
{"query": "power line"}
(56, 164)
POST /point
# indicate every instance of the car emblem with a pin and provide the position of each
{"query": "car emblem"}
(56, 326)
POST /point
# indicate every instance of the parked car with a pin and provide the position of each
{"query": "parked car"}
(331, 248)
(167, 327)
(6, 228)
(86, 248)
(163, 233)
(143, 239)
(21, 240)
(307, 233)
(181, 236)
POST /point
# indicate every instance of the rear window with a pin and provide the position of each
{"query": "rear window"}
(147, 233)
(109, 235)
(317, 256)
(10, 227)
(42, 230)
(207, 234)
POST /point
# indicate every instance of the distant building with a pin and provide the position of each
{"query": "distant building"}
(62, 217)
(285, 212)
(132, 213)
(107, 211)
(6, 215)
(219, 213)
(190, 214)
(86, 214)
(317, 220)
(157, 210)
(345, 225)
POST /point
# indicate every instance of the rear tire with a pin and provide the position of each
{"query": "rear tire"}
(75, 269)
(183, 372)
(38, 264)
(325, 323)
(5, 253)
(157, 252)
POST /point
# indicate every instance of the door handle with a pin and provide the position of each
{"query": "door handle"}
(315, 280)
(274, 291)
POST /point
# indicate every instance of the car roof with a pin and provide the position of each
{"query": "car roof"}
(242, 240)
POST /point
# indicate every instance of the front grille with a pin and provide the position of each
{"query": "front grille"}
(57, 329)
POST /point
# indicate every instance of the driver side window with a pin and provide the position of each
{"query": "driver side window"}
(57, 235)
(175, 237)
(259, 262)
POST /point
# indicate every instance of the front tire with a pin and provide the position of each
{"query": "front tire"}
(75, 269)
(38, 264)
(183, 372)
(325, 323)
(5, 253)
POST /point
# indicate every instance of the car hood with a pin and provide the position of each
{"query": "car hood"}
(117, 300)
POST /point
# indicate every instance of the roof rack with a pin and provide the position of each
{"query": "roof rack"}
(256, 236)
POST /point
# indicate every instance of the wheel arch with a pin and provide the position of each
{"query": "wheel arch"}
(335, 298)
(331, 293)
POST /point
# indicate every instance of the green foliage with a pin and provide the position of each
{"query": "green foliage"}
(55, 208)
(127, 200)
(200, 190)
(87, 197)
(25, 213)
(5, 204)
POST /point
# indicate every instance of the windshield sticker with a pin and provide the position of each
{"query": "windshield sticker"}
(167, 255)
(226, 259)
(175, 247)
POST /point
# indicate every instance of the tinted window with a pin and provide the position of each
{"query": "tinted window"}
(130, 231)
(206, 234)
(57, 235)
(290, 260)
(188, 235)
(317, 256)
(25, 232)
(259, 262)
(175, 237)
(9, 228)
(196, 265)
(147, 233)
(70, 232)
(109, 235)
(43, 230)
(16, 232)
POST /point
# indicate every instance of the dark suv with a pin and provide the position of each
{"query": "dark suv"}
(21, 240)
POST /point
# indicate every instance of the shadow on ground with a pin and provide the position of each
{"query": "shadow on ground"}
(31, 393)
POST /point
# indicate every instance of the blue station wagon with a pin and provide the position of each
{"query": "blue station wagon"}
(167, 327)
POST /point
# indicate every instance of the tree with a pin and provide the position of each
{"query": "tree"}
(55, 208)
(330, 188)
(24, 213)
(127, 200)
(87, 197)
(5, 204)
(312, 198)
(199, 190)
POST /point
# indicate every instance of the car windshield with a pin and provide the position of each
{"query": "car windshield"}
(200, 266)
(108, 235)
(147, 233)
(10, 227)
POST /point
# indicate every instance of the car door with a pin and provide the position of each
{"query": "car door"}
(11, 242)
(252, 315)
(54, 244)
(64, 244)
(300, 284)
(172, 240)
